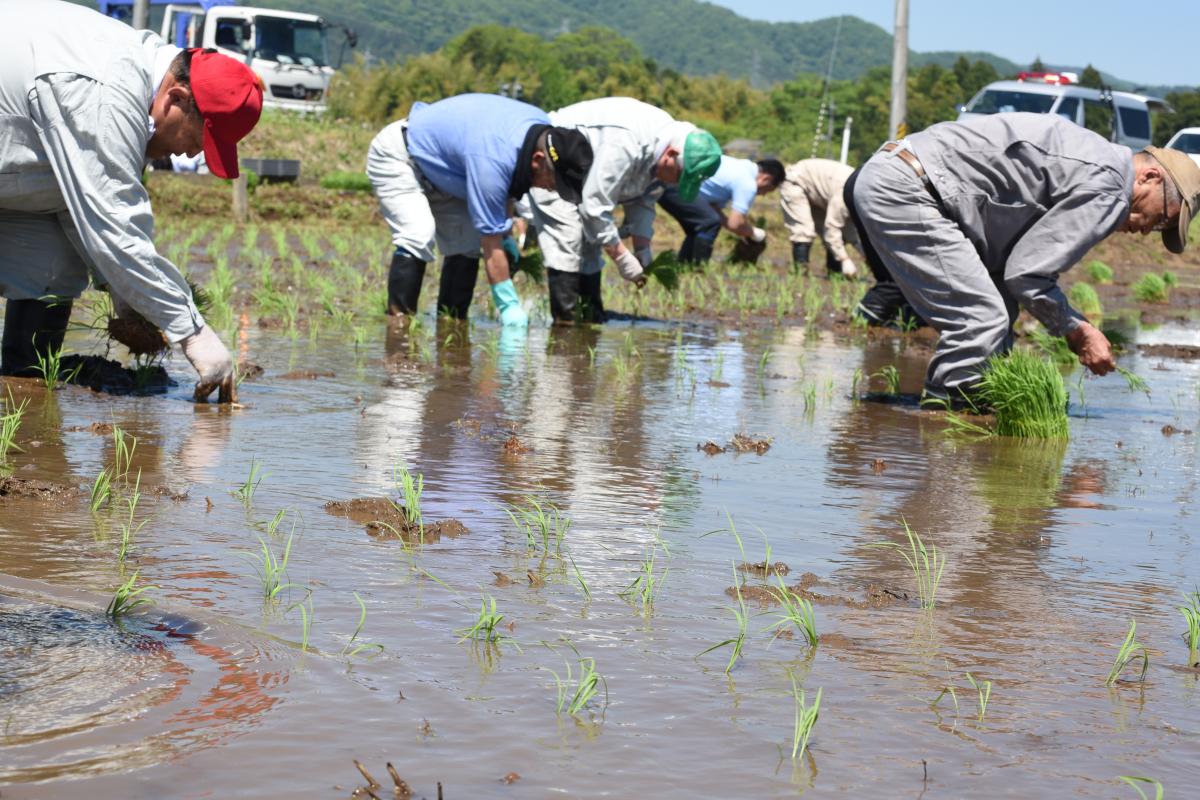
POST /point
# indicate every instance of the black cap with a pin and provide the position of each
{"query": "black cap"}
(571, 155)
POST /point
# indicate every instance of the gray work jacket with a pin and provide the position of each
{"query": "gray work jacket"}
(1033, 193)
(624, 134)
(75, 95)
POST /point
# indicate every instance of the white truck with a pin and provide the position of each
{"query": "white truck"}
(1122, 117)
(288, 50)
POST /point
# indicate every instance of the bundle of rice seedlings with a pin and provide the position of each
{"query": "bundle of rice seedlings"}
(1027, 395)
(142, 337)
(666, 268)
(1084, 298)
(1151, 288)
(1100, 272)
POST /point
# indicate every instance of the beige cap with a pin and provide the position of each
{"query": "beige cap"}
(1185, 174)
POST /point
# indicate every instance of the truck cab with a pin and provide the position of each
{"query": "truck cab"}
(1121, 117)
(287, 50)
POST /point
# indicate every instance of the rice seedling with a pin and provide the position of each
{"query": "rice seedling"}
(855, 380)
(1055, 347)
(272, 568)
(1099, 272)
(128, 529)
(346, 182)
(947, 690)
(644, 588)
(127, 598)
(544, 526)
(1170, 279)
(1191, 616)
(50, 367)
(101, 491)
(577, 690)
(487, 625)
(587, 593)
(1027, 395)
(351, 649)
(1085, 299)
(736, 643)
(762, 364)
(273, 522)
(246, 491)
(925, 562)
(1135, 382)
(1131, 650)
(306, 620)
(718, 367)
(814, 301)
(124, 446)
(809, 397)
(10, 423)
(983, 691)
(806, 718)
(411, 487)
(796, 612)
(1134, 780)
(891, 378)
(1151, 288)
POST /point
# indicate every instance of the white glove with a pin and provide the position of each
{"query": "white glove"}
(758, 235)
(212, 363)
(629, 266)
(644, 255)
(848, 268)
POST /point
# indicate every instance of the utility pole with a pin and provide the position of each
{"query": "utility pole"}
(141, 14)
(897, 126)
(846, 140)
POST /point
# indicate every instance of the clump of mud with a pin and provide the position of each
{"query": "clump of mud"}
(249, 371)
(108, 376)
(745, 443)
(140, 336)
(740, 443)
(12, 488)
(873, 595)
(382, 516)
(513, 446)
(1184, 352)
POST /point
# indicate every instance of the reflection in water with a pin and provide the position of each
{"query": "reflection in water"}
(85, 695)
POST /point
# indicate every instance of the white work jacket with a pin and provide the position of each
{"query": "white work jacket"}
(75, 94)
(624, 134)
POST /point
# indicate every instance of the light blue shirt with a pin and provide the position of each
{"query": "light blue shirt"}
(735, 181)
(467, 147)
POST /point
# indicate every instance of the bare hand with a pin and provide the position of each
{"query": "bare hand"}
(1093, 348)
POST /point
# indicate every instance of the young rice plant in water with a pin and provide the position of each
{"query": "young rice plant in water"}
(1191, 616)
(577, 690)
(736, 643)
(805, 720)
(796, 612)
(1027, 395)
(1131, 650)
(1151, 288)
(544, 526)
(411, 487)
(10, 422)
(246, 491)
(127, 598)
(1084, 298)
(1099, 272)
(925, 562)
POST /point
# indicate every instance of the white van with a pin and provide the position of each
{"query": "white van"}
(1187, 141)
(1121, 117)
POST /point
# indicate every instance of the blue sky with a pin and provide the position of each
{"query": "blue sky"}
(1060, 31)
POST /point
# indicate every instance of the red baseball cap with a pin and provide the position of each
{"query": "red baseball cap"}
(229, 96)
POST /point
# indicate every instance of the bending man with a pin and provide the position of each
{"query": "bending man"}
(635, 145)
(737, 182)
(977, 219)
(84, 101)
(446, 175)
(811, 198)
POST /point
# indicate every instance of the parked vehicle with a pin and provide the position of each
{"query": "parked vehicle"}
(288, 50)
(1187, 140)
(1122, 117)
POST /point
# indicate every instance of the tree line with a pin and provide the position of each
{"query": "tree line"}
(598, 62)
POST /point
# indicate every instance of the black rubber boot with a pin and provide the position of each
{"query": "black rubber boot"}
(800, 256)
(832, 265)
(404, 283)
(574, 297)
(32, 328)
(702, 249)
(458, 285)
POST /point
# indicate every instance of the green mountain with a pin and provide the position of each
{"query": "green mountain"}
(689, 36)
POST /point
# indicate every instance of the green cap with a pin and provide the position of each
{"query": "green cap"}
(701, 157)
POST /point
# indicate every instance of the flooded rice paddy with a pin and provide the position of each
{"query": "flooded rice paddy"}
(215, 691)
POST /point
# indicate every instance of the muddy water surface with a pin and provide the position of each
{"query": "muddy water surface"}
(1050, 550)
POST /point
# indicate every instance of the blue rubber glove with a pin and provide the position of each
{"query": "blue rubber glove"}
(504, 295)
(509, 245)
